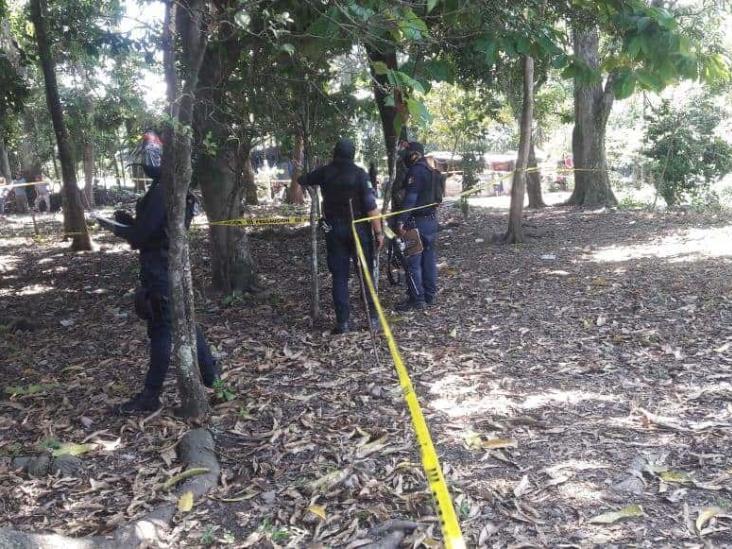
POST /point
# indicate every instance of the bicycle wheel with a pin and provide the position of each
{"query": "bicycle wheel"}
(393, 265)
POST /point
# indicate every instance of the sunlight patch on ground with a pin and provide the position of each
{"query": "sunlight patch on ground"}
(34, 289)
(581, 491)
(8, 262)
(574, 465)
(691, 245)
(499, 403)
(564, 397)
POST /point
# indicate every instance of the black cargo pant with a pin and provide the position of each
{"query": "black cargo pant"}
(341, 251)
(154, 280)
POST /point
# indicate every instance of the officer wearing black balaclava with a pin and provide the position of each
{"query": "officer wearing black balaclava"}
(344, 184)
(147, 232)
(418, 192)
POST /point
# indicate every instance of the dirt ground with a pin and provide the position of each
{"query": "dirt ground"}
(583, 373)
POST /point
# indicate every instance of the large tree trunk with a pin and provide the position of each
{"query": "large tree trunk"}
(515, 232)
(533, 181)
(222, 186)
(250, 183)
(295, 194)
(73, 213)
(11, 52)
(592, 106)
(393, 122)
(87, 149)
(184, 22)
(225, 177)
(88, 160)
(5, 163)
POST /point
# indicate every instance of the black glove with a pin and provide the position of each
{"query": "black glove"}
(121, 216)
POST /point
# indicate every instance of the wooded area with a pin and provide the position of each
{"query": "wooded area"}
(571, 365)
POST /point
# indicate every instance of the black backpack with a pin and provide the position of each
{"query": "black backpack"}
(439, 183)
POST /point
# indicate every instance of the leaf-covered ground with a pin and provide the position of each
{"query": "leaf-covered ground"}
(577, 389)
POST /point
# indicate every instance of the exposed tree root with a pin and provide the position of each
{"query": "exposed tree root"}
(196, 449)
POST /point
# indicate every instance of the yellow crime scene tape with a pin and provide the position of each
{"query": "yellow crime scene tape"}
(451, 532)
(256, 221)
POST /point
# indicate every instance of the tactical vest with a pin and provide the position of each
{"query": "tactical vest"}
(342, 184)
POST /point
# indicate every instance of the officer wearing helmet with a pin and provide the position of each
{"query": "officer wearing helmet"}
(418, 192)
(345, 185)
(147, 232)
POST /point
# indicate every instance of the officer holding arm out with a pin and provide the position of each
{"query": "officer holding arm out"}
(343, 184)
(419, 192)
(147, 232)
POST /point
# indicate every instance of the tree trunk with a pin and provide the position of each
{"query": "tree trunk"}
(87, 147)
(88, 160)
(5, 163)
(295, 195)
(393, 121)
(54, 158)
(250, 183)
(515, 232)
(314, 281)
(533, 181)
(592, 106)
(73, 212)
(183, 24)
(225, 177)
(116, 170)
(222, 186)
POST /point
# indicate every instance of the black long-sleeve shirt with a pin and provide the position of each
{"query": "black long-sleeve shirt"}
(149, 231)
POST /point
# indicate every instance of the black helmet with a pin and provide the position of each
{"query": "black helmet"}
(344, 150)
(148, 154)
(415, 146)
(414, 152)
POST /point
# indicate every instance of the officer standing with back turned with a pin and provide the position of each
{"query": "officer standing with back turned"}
(343, 185)
(147, 232)
(419, 192)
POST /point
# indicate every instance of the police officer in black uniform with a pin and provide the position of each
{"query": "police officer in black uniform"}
(419, 192)
(147, 232)
(344, 184)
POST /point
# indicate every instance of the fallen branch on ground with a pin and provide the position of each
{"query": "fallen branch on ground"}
(196, 451)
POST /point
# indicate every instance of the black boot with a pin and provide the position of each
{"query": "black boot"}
(374, 324)
(341, 328)
(210, 374)
(409, 305)
(146, 401)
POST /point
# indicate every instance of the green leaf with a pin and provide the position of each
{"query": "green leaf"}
(418, 110)
(30, 389)
(648, 80)
(560, 61)
(185, 502)
(380, 68)
(431, 4)
(404, 80)
(634, 47)
(389, 100)
(71, 449)
(411, 26)
(676, 477)
(438, 70)
(288, 48)
(705, 515)
(643, 23)
(631, 511)
(522, 45)
(624, 85)
(188, 473)
(489, 48)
